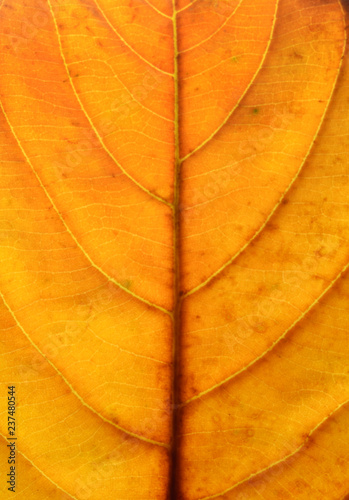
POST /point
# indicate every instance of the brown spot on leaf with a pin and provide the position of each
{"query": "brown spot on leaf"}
(297, 55)
(272, 227)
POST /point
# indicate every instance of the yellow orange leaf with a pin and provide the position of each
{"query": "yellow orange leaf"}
(174, 249)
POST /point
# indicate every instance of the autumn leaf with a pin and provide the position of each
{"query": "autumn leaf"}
(174, 229)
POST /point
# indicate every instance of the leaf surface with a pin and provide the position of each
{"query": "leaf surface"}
(174, 227)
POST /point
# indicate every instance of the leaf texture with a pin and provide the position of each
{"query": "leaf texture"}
(174, 229)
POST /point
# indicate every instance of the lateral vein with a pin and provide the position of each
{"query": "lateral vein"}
(87, 256)
(76, 394)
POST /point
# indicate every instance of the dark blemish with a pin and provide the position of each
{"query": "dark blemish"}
(297, 55)
(99, 43)
(133, 16)
(285, 201)
(300, 484)
(64, 81)
(342, 463)
(256, 415)
(255, 111)
(194, 390)
(196, 89)
(75, 123)
(8, 7)
(113, 175)
(306, 438)
(198, 317)
(227, 316)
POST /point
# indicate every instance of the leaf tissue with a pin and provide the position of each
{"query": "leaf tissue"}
(174, 249)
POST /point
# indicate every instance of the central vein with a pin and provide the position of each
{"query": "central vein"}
(176, 264)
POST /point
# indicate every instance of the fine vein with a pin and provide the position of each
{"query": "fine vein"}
(288, 189)
(110, 154)
(127, 44)
(41, 472)
(93, 264)
(275, 343)
(282, 460)
(66, 381)
(215, 132)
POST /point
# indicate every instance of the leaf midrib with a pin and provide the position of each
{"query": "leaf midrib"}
(176, 329)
